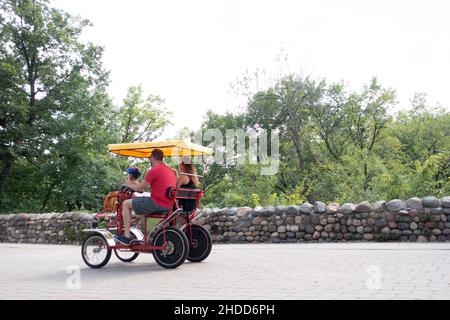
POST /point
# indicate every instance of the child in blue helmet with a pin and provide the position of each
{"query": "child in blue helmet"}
(133, 173)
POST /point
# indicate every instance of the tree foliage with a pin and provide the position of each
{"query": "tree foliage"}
(338, 145)
(55, 116)
(56, 120)
(141, 119)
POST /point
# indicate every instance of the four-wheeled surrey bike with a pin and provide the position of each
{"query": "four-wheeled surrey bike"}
(172, 236)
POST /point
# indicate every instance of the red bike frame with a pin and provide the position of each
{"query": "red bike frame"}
(175, 194)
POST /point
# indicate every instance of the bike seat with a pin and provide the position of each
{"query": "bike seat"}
(158, 214)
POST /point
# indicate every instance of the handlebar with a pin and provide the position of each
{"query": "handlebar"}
(127, 190)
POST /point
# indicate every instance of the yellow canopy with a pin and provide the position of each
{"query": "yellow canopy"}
(171, 148)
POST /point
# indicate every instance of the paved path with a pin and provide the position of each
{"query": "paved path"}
(239, 271)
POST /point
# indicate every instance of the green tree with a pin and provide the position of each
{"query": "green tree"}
(424, 135)
(366, 118)
(141, 119)
(288, 107)
(330, 121)
(138, 119)
(53, 106)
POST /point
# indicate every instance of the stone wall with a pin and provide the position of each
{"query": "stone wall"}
(52, 228)
(416, 220)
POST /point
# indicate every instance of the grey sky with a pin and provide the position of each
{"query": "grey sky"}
(189, 52)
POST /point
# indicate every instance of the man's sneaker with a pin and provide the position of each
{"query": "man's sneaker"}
(122, 239)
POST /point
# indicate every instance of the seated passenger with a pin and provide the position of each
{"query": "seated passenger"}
(157, 181)
(187, 181)
(133, 173)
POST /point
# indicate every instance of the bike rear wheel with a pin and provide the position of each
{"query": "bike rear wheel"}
(177, 247)
(200, 244)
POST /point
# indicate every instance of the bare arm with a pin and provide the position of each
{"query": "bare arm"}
(182, 179)
(138, 186)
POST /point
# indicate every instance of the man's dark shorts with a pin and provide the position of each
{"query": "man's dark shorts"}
(145, 205)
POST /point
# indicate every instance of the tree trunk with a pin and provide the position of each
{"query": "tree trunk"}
(47, 196)
(5, 173)
(366, 179)
(69, 206)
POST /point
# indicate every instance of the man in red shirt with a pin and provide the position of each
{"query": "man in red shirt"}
(157, 180)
